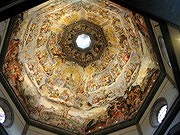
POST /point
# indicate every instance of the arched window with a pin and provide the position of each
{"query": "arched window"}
(158, 112)
(6, 113)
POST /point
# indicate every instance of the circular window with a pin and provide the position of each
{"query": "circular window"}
(6, 113)
(83, 41)
(2, 115)
(158, 112)
(161, 114)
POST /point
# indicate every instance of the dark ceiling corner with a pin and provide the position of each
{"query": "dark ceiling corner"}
(165, 10)
(9, 8)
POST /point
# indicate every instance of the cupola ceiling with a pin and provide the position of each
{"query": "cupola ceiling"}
(82, 66)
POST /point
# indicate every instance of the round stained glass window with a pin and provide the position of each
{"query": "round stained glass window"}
(161, 114)
(6, 113)
(2, 115)
(158, 112)
(83, 41)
